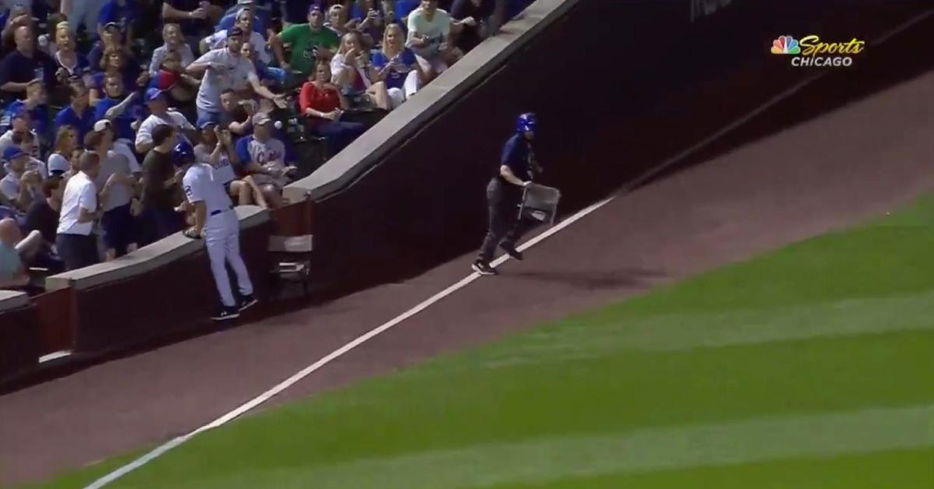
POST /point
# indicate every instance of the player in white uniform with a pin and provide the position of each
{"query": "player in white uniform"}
(216, 222)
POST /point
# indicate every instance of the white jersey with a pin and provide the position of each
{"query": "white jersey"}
(201, 186)
(223, 169)
(236, 75)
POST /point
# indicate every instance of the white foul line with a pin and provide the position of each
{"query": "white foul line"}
(305, 372)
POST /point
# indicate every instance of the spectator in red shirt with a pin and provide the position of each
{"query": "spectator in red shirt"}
(322, 105)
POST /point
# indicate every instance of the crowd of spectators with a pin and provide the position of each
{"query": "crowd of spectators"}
(96, 93)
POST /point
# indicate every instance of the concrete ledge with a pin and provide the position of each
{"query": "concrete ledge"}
(401, 124)
(147, 258)
(11, 299)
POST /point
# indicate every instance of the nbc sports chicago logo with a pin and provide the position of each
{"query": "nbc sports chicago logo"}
(811, 51)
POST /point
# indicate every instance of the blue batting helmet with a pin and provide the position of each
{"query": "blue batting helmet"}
(526, 123)
(183, 153)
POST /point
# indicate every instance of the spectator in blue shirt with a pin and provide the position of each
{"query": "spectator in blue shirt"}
(79, 114)
(121, 12)
(124, 111)
(35, 105)
(68, 61)
(404, 8)
(369, 19)
(115, 62)
(396, 65)
(25, 64)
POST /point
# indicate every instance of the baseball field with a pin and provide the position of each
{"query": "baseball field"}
(809, 367)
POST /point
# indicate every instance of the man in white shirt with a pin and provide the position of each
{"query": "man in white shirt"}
(76, 244)
(216, 222)
(430, 37)
(161, 115)
(225, 69)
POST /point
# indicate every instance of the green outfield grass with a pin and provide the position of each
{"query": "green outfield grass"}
(811, 367)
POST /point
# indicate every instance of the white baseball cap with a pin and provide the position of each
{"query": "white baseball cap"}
(102, 124)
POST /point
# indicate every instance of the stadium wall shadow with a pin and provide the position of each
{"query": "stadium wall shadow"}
(620, 87)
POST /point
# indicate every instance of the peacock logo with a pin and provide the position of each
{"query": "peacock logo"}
(785, 45)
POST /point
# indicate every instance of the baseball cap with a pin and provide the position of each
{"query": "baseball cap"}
(13, 152)
(102, 125)
(206, 124)
(261, 118)
(163, 80)
(246, 2)
(18, 111)
(153, 94)
(315, 6)
(235, 31)
(57, 166)
(110, 25)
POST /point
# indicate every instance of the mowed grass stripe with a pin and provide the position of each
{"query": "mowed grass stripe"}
(902, 469)
(818, 436)
(673, 332)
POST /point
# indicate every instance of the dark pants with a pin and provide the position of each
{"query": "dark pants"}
(339, 134)
(77, 250)
(119, 227)
(505, 226)
(160, 223)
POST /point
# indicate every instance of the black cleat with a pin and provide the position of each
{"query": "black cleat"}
(247, 302)
(483, 268)
(226, 314)
(511, 250)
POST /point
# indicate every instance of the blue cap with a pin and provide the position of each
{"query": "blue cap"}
(315, 6)
(18, 110)
(153, 94)
(13, 152)
(183, 154)
(203, 124)
(526, 123)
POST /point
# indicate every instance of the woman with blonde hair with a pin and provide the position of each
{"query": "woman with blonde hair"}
(70, 62)
(397, 67)
(356, 78)
(66, 142)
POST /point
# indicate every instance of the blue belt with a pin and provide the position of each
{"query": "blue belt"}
(218, 211)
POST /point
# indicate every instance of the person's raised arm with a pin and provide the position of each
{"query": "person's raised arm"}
(201, 65)
(120, 108)
(171, 13)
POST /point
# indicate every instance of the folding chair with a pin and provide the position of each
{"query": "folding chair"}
(539, 204)
(291, 262)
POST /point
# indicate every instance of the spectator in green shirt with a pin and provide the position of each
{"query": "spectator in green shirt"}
(307, 42)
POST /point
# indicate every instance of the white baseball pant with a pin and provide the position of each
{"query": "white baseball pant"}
(222, 238)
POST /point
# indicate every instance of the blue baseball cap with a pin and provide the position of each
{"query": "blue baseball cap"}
(204, 124)
(13, 152)
(182, 154)
(526, 123)
(315, 6)
(153, 94)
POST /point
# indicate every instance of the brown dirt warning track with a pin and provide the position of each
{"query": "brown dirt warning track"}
(859, 160)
